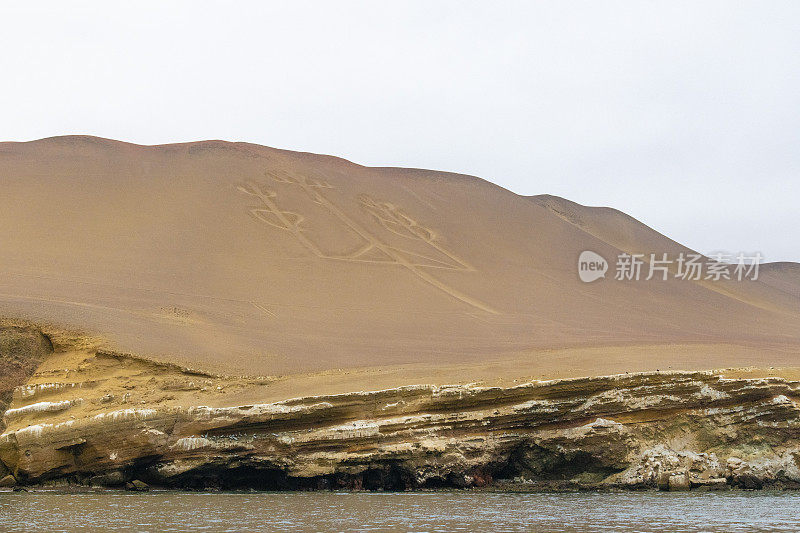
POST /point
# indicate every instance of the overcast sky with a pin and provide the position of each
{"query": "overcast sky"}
(684, 115)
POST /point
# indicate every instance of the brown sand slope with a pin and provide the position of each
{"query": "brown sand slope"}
(250, 259)
(631, 236)
(783, 276)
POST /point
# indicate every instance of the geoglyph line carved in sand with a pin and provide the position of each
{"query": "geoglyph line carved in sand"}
(373, 250)
(264, 310)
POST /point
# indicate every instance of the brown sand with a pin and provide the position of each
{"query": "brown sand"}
(239, 258)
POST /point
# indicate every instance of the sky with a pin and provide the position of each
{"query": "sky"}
(685, 115)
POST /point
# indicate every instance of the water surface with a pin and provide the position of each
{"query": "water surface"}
(423, 512)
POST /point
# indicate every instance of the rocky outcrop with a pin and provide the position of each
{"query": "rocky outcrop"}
(22, 349)
(674, 431)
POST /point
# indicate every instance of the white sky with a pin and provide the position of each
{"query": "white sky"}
(685, 115)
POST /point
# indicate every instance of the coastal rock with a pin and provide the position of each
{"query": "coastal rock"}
(667, 430)
(7, 481)
(137, 486)
(748, 481)
(715, 483)
(679, 482)
(22, 349)
(114, 478)
(657, 465)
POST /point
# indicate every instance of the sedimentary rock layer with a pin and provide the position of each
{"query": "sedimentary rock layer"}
(668, 429)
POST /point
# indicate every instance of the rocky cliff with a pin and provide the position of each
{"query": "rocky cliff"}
(87, 416)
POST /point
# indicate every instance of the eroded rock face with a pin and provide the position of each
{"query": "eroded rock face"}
(671, 430)
(22, 349)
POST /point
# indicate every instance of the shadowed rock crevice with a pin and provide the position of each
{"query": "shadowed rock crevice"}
(22, 350)
(391, 477)
(535, 463)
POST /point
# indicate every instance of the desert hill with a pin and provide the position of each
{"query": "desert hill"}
(249, 259)
(784, 276)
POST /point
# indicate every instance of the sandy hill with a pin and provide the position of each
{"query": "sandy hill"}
(250, 259)
(783, 276)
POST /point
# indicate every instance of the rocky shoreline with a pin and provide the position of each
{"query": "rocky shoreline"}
(648, 431)
(71, 485)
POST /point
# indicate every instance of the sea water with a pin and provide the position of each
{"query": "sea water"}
(410, 511)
